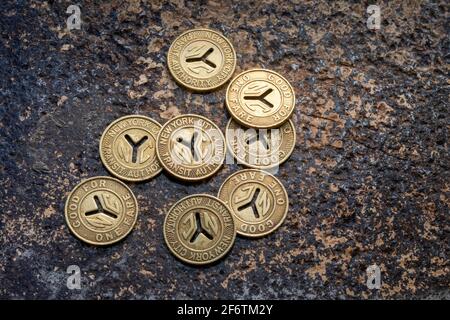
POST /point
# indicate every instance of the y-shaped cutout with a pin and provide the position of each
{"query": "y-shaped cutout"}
(257, 137)
(261, 97)
(135, 146)
(203, 58)
(190, 145)
(252, 204)
(100, 209)
(200, 230)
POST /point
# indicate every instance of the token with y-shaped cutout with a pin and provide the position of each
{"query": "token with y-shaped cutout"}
(258, 201)
(201, 59)
(199, 229)
(101, 210)
(128, 148)
(190, 147)
(260, 148)
(260, 98)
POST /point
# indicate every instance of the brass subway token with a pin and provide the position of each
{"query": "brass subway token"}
(128, 148)
(201, 59)
(260, 98)
(101, 210)
(260, 148)
(257, 200)
(190, 147)
(199, 229)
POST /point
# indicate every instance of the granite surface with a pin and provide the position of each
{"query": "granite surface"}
(368, 181)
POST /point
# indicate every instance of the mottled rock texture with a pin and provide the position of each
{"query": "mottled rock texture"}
(368, 181)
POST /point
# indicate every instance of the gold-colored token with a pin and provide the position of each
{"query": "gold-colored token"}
(257, 200)
(260, 98)
(190, 147)
(128, 148)
(199, 229)
(201, 59)
(101, 210)
(260, 148)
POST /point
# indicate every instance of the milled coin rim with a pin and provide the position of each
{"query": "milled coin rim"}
(103, 243)
(278, 225)
(196, 262)
(230, 147)
(102, 156)
(196, 88)
(251, 125)
(183, 177)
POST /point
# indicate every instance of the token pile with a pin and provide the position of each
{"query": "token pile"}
(200, 228)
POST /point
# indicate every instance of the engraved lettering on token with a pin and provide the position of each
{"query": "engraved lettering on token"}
(257, 200)
(260, 98)
(101, 210)
(260, 148)
(199, 229)
(128, 148)
(201, 59)
(190, 147)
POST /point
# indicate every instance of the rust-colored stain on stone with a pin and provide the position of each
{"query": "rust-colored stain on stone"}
(368, 181)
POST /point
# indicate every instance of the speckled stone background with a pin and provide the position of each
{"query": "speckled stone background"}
(368, 181)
